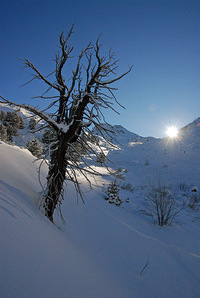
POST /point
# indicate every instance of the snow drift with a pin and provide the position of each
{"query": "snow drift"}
(103, 250)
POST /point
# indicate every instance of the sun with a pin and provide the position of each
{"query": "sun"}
(172, 132)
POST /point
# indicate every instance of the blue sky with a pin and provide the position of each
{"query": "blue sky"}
(160, 38)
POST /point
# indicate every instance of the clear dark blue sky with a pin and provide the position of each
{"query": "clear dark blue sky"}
(160, 38)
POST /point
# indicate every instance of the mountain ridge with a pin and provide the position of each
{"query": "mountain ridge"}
(119, 132)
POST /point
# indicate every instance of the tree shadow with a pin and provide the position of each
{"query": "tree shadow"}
(9, 197)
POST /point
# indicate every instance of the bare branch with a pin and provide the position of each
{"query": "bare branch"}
(113, 80)
(34, 110)
(75, 73)
(40, 76)
(60, 61)
(78, 104)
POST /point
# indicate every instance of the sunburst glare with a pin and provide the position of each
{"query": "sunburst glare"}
(172, 132)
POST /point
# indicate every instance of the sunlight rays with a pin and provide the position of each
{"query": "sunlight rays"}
(172, 132)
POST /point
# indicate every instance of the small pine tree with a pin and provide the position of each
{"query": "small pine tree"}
(2, 116)
(12, 123)
(21, 123)
(10, 132)
(48, 137)
(113, 194)
(8, 118)
(32, 124)
(15, 119)
(3, 133)
(35, 147)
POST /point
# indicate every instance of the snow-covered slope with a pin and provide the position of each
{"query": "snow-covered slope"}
(148, 159)
(190, 134)
(103, 250)
(100, 252)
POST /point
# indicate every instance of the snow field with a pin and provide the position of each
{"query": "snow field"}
(103, 250)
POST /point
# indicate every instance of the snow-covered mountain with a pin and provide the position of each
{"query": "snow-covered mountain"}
(103, 250)
(144, 159)
(190, 134)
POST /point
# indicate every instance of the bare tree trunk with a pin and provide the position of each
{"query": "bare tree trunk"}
(56, 176)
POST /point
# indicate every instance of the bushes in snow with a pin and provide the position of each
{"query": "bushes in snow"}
(118, 173)
(163, 206)
(160, 204)
(127, 186)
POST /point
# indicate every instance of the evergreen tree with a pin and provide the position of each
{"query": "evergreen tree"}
(12, 123)
(35, 147)
(15, 120)
(48, 137)
(21, 123)
(32, 124)
(10, 133)
(2, 116)
(8, 119)
(3, 133)
(113, 194)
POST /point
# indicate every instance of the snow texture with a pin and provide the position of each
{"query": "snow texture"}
(103, 250)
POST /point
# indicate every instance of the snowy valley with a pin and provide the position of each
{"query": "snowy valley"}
(103, 250)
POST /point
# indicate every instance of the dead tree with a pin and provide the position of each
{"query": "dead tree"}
(77, 106)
